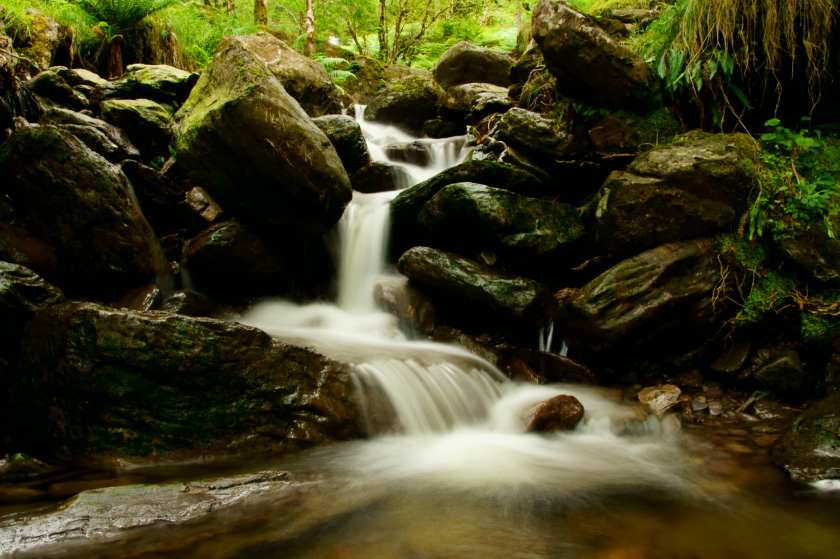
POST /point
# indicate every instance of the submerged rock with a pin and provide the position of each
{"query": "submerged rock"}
(589, 65)
(810, 448)
(254, 149)
(466, 63)
(413, 309)
(561, 413)
(67, 213)
(380, 176)
(101, 386)
(490, 289)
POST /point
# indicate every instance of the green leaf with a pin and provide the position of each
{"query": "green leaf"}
(773, 122)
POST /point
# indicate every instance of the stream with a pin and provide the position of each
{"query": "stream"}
(449, 471)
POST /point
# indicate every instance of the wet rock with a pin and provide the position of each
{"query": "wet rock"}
(623, 134)
(24, 291)
(663, 295)
(143, 298)
(405, 208)
(415, 153)
(226, 260)
(538, 92)
(458, 101)
(468, 218)
(380, 176)
(412, 307)
(520, 72)
(147, 124)
(810, 448)
(51, 89)
(157, 82)
(734, 358)
(513, 296)
(660, 399)
(447, 334)
(467, 63)
(813, 249)
(251, 146)
(188, 303)
(785, 375)
(589, 65)
(696, 185)
(486, 104)
(67, 214)
(80, 76)
(107, 140)
(200, 201)
(160, 198)
(346, 136)
(536, 135)
(556, 368)
(561, 413)
(101, 386)
(438, 128)
(409, 104)
(518, 370)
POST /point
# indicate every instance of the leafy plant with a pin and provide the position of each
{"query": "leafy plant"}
(333, 67)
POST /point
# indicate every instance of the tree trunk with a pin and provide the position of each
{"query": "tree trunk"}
(309, 24)
(112, 63)
(209, 3)
(383, 37)
(260, 12)
(230, 5)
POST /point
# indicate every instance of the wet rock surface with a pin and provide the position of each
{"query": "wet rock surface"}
(413, 308)
(158, 82)
(409, 104)
(380, 176)
(561, 413)
(810, 448)
(52, 89)
(467, 63)
(147, 123)
(346, 137)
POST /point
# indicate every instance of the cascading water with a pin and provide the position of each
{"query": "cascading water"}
(454, 419)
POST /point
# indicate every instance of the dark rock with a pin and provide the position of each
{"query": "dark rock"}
(561, 413)
(447, 334)
(556, 368)
(413, 309)
(539, 92)
(733, 359)
(513, 296)
(589, 65)
(157, 82)
(812, 248)
(250, 145)
(810, 448)
(203, 204)
(622, 134)
(188, 303)
(471, 217)
(160, 198)
(410, 103)
(24, 291)
(67, 214)
(438, 128)
(664, 295)
(76, 77)
(520, 72)
(785, 375)
(103, 386)
(147, 123)
(52, 89)
(39, 41)
(380, 176)
(407, 205)
(697, 185)
(536, 136)
(486, 104)
(346, 136)
(107, 140)
(467, 63)
(416, 153)
(143, 298)
(518, 370)
(458, 101)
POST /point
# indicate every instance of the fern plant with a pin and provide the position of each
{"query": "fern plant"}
(333, 67)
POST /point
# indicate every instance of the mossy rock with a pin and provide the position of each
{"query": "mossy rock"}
(466, 63)
(810, 448)
(147, 123)
(159, 82)
(410, 102)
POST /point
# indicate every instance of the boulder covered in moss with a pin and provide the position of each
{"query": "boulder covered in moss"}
(243, 138)
(536, 136)
(590, 66)
(475, 284)
(698, 184)
(51, 89)
(100, 386)
(67, 213)
(36, 39)
(467, 63)
(625, 135)
(409, 104)
(458, 101)
(159, 82)
(810, 448)
(146, 122)
(107, 140)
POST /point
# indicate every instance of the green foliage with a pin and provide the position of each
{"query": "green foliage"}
(79, 22)
(797, 190)
(333, 67)
(120, 16)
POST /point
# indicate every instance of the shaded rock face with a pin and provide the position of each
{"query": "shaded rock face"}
(556, 368)
(304, 79)
(535, 135)
(147, 123)
(813, 249)
(107, 140)
(380, 176)
(561, 413)
(589, 64)
(161, 199)
(697, 185)
(416, 153)
(68, 215)
(101, 385)
(469, 218)
(79, 76)
(52, 89)
(512, 296)
(406, 207)
(42, 38)
(346, 136)
(625, 134)
(810, 448)
(157, 82)
(664, 295)
(458, 101)
(467, 63)
(254, 149)
(439, 128)
(409, 104)
(785, 375)
(412, 307)
(22, 290)
(449, 335)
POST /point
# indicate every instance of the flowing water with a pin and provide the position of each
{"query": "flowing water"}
(449, 471)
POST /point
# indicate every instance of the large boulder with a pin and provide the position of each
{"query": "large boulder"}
(589, 65)
(663, 296)
(380, 176)
(470, 218)
(491, 290)
(146, 122)
(812, 248)
(407, 205)
(254, 149)
(67, 213)
(458, 101)
(304, 79)
(158, 82)
(623, 135)
(107, 140)
(51, 89)
(102, 386)
(810, 448)
(698, 184)
(347, 138)
(535, 136)
(409, 104)
(467, 63)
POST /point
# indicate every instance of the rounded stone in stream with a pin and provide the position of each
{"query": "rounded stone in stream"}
(380, 176)
(561, 413)
(409, 104)
(346, 136)
(810, 448)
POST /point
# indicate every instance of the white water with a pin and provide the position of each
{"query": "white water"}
(452, 419)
